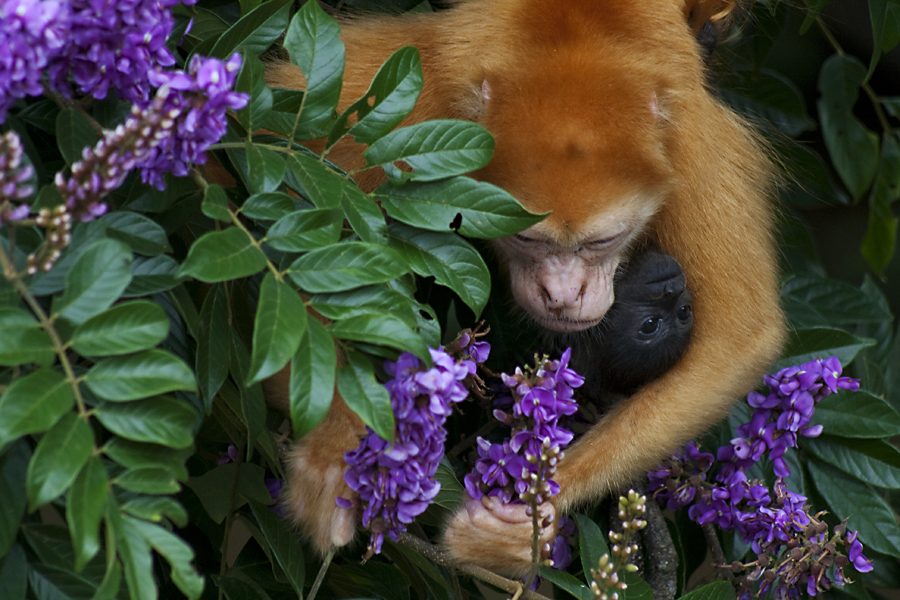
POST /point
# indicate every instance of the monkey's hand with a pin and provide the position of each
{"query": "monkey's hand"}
(498, 536)
(315, 475)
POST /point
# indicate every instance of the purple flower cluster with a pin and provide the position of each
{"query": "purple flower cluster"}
(541, 396)
(32, 33)
(186, 116)
(395, 480)
(776, 524)
(97, 44)
(114, 44)
(783, 414)
(202, 96)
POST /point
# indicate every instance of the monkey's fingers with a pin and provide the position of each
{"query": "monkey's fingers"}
(499, 539)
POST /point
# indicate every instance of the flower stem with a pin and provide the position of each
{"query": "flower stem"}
(59, 348)
(321, 576)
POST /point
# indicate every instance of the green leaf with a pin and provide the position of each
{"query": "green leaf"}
(33, 404)
(852, 147)
(161, 420)
(857, 415)
(718, 590)
(277, 330)
(136, 556)
(346, 266)
(389, 99)
(251, 80)
(223, 255)
(253, 405)
(285, 106)
(637, 589)
(452, 491)
(305, 230)
(255, 31)
(768, 94)
(141, 234)
(322, 186)
(868, 513)
(312, 378)
(73, 134)
(157, 509)
(84, 507)
(23, 340)
(873, 461)
(313, 42)
(12, 489)
(567, 583)
(363, 214)
(14, 574)
(213, 345)
(95, 281)
(271, 206)
(58, 458)
(215, 203)
(122, 329)
(591, 543)
(285, 545)
(365, 300)
(364, 395)
(434, 150)
(804, 345)
(266, 168)
(839, 303)
(880, 240)
(474, 208)
(152, 275)
(177, 553)
(140, 375)
(208, 488)
(134, 455)
(55, 583)
(148, 480)
(451, 260)
(382, 329)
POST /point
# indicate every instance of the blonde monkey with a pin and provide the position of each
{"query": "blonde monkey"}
(601, 115)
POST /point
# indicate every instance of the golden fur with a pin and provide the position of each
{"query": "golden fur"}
(570, 84)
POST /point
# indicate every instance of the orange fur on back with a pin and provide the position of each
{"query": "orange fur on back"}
(571, 83)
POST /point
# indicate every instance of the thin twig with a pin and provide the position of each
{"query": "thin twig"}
(321, 576)
(712, 541)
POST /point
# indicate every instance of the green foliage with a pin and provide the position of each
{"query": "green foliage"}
(128, 368)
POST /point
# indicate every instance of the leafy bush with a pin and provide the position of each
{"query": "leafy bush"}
(141, 305)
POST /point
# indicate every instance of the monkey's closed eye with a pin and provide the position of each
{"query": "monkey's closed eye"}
(650, 326)
(603, 242)
(524, 239)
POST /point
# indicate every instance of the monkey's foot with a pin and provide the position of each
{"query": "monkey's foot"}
(498, 536)
(315, 482)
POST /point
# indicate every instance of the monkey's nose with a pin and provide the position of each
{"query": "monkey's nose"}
(674, 287)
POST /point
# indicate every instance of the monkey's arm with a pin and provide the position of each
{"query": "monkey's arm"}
(718, 224)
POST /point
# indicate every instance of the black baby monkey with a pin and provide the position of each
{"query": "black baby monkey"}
(643, 334)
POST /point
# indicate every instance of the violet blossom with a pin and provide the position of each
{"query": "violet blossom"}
(114, 44)
(202, 95)
(32, 33)
(794, 552)
(395, 479)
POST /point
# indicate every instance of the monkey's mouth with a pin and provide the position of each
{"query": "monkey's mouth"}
(568, 325)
